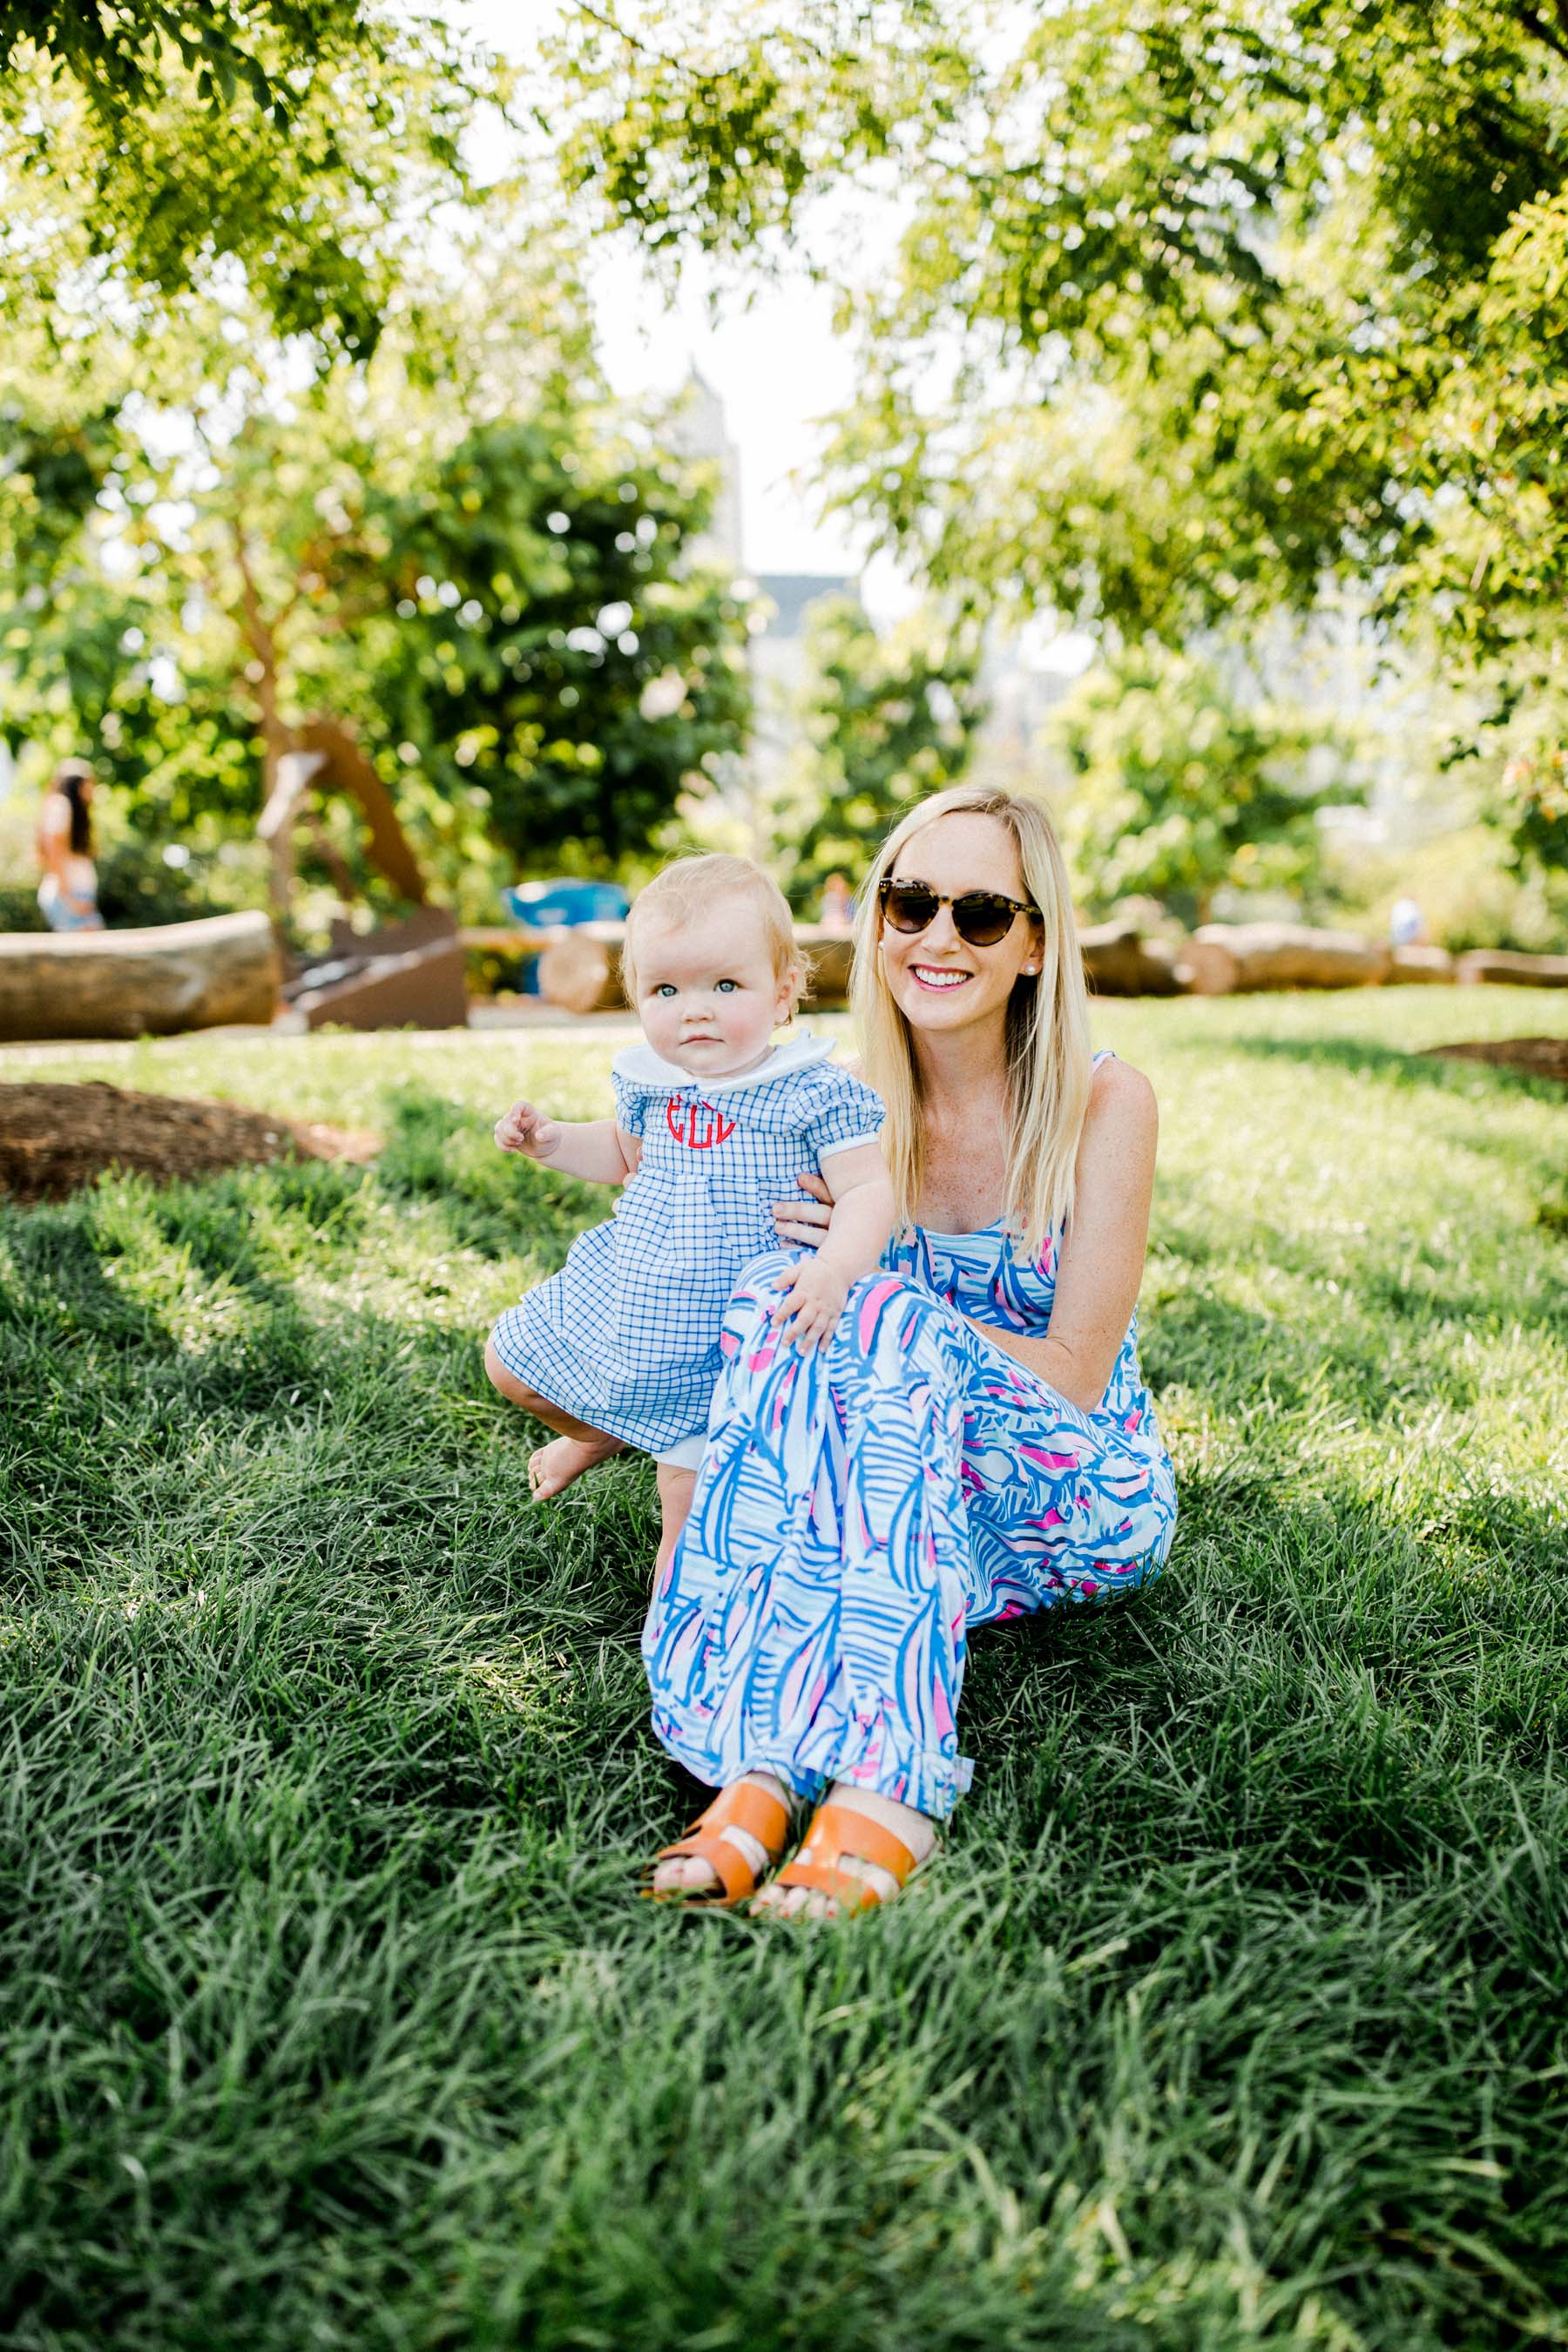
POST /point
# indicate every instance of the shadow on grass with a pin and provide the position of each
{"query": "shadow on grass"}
(362, 1457)
(1411, 1067)
(1378, 1345)
(331, 2011)
(1366, 1297)
(57, 1289)
(1322, 1686)
(1464, 1081)
(491, 1202)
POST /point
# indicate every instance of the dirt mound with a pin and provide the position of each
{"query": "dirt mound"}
(1541, 1057)
(53, 1137)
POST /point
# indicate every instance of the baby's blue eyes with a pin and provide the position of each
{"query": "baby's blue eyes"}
(722, 988)
(727, 987)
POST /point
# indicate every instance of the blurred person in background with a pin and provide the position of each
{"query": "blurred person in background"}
(1406, 924)
(838, 909)
(67, 893)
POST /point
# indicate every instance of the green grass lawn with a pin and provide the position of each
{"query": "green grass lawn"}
(1235, 2011)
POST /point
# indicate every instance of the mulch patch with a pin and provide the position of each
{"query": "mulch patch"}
(1541, 1057)
(54, 1138)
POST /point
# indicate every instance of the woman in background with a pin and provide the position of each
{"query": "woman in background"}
(68, 894)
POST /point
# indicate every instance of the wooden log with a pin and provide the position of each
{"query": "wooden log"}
(1412, 966)
(580, 975)
(1501, 964)
(502, 938)
(1221, 959)
(830, 954)
(1118, 960)
(138, 983)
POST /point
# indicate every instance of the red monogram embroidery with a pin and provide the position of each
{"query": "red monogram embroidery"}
(686, 1128)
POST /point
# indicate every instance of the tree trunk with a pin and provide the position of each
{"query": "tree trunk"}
(276, 829)
(1225, 958)
(138, 983)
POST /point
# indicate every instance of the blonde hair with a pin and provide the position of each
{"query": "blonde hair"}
(694, 886)
(1048, 1026)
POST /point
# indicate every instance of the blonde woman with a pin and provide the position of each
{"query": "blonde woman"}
(976, 1441)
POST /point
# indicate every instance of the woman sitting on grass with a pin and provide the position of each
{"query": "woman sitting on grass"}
(977, 1440)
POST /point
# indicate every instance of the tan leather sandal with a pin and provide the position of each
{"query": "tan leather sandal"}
(741, 1807)
(836, 1833)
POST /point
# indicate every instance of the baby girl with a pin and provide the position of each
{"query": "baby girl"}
(713, 1123)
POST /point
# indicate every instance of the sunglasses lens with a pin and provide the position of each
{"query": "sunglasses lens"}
(910, 907)
(981, 918)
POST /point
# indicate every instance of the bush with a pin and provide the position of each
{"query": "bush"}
(1470, 894)
(19, 908)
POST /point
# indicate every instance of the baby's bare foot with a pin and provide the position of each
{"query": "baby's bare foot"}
(555, 1465)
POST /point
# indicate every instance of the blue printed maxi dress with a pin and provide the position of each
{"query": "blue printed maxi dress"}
(858, 1510)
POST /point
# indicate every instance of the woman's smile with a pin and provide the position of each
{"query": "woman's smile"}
(962, 853)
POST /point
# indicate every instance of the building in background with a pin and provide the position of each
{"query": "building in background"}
(698, 430)
(784, 601)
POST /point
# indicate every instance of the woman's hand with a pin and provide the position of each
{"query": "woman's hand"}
(523, 1128)
(803, 1223)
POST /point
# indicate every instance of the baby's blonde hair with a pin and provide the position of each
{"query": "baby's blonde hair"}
(693, 887)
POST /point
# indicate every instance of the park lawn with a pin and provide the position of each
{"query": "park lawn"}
(1235, 2011)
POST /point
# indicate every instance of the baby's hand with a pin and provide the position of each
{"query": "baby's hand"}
(525, 1129)
(811, 1301)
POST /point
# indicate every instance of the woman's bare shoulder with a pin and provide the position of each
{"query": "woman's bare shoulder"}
(1121, 1100)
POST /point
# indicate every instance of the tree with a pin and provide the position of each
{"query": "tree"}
(889, 718)
(503, 606)
(553, 651)
(137, 172)
(114, 54)
(1179, 787)
(1234, 299)
(268, 373)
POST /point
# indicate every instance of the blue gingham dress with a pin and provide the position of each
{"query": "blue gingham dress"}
(626, 1337)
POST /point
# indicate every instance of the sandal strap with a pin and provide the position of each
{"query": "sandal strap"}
(837, 1831)
(850, 1894)
(742, 1806)
(724, 1859)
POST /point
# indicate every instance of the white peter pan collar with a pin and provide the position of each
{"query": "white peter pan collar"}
(644, 1068)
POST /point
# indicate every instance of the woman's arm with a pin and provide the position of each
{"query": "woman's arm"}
(54, 840)
(1101, 1262)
